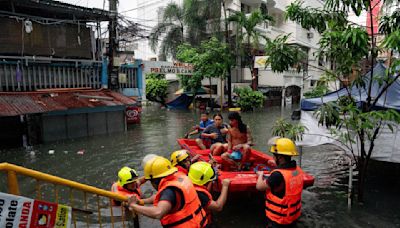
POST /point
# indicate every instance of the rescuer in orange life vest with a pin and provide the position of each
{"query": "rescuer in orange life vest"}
(182, 161)
(176, 203)
(202, 175)
(283, 187)
(128, 184)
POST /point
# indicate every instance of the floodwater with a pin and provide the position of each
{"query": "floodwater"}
(324, 204)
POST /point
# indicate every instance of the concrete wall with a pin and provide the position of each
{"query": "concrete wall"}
(60, 127)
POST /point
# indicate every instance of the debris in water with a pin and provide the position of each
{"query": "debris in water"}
(32, 153)
(51, 151)
(102, 147)
(65, 151)
(81, 152)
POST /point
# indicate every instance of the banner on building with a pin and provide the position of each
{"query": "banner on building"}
(162, 67)
(18, 211)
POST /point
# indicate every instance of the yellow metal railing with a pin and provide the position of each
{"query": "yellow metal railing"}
(13, 188)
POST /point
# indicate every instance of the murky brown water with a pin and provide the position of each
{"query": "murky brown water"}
(324, 205)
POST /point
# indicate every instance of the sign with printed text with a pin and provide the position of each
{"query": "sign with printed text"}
(261, 62)
(163, 67)
(18, 211)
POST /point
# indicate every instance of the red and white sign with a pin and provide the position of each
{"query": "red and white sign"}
(18, 211)
(162, 67)
(133, 114)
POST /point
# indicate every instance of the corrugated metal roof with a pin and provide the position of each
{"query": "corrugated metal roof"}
(19, 103)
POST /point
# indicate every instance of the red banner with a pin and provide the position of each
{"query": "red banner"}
(18, 211)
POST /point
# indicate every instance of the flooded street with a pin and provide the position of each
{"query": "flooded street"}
(324, 204)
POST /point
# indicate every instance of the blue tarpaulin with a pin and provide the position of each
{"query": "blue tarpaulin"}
(181, 102)
(390, 99)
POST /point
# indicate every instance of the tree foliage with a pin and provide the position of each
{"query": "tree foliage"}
(283, 56)
(286, 129)
(249, 39)
(318, 91)
(155, 76)
(170, 31)
(346, 45)
(210, 60)
(249, 99)
(186, 23)
(156, 88)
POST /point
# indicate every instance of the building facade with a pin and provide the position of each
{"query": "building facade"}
(150, 12)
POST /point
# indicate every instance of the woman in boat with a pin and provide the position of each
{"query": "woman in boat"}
(202, 175)
(176, 203)
(239, 140)
(128, 184)
(216, 133)
(182, 161)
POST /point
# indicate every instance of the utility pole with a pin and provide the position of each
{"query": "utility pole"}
(112, 45)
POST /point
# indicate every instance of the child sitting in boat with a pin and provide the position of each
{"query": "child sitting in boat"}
(239, 141)
(216, 134)
(204, 122)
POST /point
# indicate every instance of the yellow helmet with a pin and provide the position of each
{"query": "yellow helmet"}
(283, 146)
(179, 156)
(126, 175)
(158, 167)
(201, 173)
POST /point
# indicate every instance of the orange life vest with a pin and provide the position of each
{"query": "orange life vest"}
(181, 169)
(286, 210)
(122, 191)
(192, 215)
(204, 190)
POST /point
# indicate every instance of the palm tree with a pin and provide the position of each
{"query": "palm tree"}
(173, 27)
(185, 24)
(252, 37)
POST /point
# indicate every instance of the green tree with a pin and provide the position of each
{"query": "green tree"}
(249, 99)
(250, 38)
(192, 22)
(210, 60)
(156, 87)
(318, 91)
(345, 45)
(283, 56)
(170, 30)
(286, 129)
